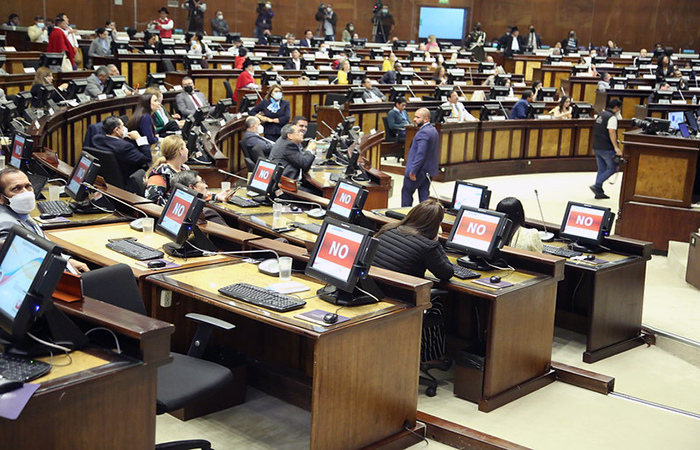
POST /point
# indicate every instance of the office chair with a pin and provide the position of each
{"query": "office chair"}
(251, 156)
(136, 183)
(188, 377)
(229, 90)
(92, 130)
(31, 64)
(433, 344)
(109, 166)
(391, 146)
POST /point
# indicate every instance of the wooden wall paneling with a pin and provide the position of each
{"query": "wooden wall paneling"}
(458, 145)
(470, 148)
(533, 145)
(566, 142)
(503, 141)
(445, 148)
(549, 143)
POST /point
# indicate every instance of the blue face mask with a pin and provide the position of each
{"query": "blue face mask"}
(277, 96)
(40, 25)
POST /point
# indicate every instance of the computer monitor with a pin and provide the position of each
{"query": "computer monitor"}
(499, 92)
(442, 93)
(221, 107)
(274, 39)
(674, 82)
(317, 41)
(76, 90)
(264, 179)
(120, 46)
(114, 85)
(269, 77)
(675, 117)
(356, 76)
(442, 113)
(581, 110)
(455, 75)
(580, 69)
(630, 71)
(354, 170)
(311, 74)
(193, 62)
(464, 54)
(586, 225)
(46, 92)
(501, 78)
(416, 54)
(332, 98)
(553, 59)
(546, 94)
(155, 79)
(30, 267)
(600, 60)
(85, 171)
(347, 201)
(405, 76)
(178, 219)
(8, 112)
(692, 120)
(51, 60)
(23, 101)
(535, 110)
(643, 61)
(341, 257)
(167, 44)
(470, 194)
(22, 148)
(355, 94)
(662, 97)
(492, 111)
(398, 92)
(480, 234)
(619, 82)
(233, 37)
(615, 52)
(487, 67)
(358, 43)
(399, 45)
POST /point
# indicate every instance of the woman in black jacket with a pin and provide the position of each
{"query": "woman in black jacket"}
(273, 112)
(411, 246)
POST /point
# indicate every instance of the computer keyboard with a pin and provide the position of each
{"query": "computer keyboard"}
(55, 208)
(314, 228)
(463, 273)
(243, 202)
(262, 297)
(559, 251)
(134, 249)
(19, 368)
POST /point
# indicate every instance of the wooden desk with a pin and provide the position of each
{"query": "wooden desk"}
(358, 378)
(111, 406)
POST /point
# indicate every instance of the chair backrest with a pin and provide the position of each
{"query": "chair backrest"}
(311, 130)
(92, 130)
(109, 166)
(251, 156)
(388, 133)
(168, 65)
(229, 90)
(115, 285)
(136, 184)
(33, 64)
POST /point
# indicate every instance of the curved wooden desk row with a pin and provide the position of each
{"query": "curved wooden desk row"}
(14, 83)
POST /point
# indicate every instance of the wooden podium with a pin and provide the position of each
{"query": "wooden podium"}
(657, 189)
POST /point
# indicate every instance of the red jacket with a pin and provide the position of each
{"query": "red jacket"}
(58, 43)
(244, 79)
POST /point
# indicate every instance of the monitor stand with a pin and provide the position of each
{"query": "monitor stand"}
(586, 249)
(357, 175)
(264, 200)
(474, 262)
(184, 251)
(336, 296)
(100, 205)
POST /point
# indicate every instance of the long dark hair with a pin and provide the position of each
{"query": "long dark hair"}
(423, 220)
(512, 208)
(143, 107)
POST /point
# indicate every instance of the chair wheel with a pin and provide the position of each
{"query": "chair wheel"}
(431, 392)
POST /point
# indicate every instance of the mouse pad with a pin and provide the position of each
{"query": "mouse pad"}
(486, 282)
(316, 316)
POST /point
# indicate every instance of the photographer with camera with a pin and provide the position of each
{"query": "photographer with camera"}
(195, 15)
(383, 22)
(264, 21)
(326, 18)
(605, 145)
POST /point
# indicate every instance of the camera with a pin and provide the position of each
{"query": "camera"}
(652, 125)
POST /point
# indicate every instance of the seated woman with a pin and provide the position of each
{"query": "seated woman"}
(44, 77)
(165, 122)
(440, 75)
(388, 63)
(343, 70)
(411, 246)
(563, 110)
(519, 237)
(432, 45)
(142, 119)
(273, 112)
(173, 155)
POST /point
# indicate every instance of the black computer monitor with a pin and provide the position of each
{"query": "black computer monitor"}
(674, 82)
(233, 37)
(155, 79)
(643, 61)
(355, 94)
(399, 45)
(22, 148)
(114, 85)
(501, 78)
(581, 110)
(470, 194)
(455, 75)
(499, 92)
(396, 92)
(192, 62)
(535, 110)
(675, 117)
(264, 178)
(76, 89)
(553, 59)
(630, 71)
(85, 171)
(449, 65)
(51, 60)
(317, 41)
(341, 257)
(358, 43)
(619, 82)
(247, 102)
(354, 170)
(8, 112)
(274, 39)
(492, 111)
(579, 69)
(662, 97)
(178, 219)
(691, 119)
(311, 74)
(269, 77)
(347, 201)
(480, 233)
(416, 54)
(442, 93)
(464, 54)
(30, 267)
(120, 46)
(586, 226)
(442, 113)
(404, 76)
(615, 52)
(600, 60)
(23, 101)
(546, 94)
(332, 98)
(487, 67)
(222, 106)
(444, 45)
(167, 44)
(356, 76)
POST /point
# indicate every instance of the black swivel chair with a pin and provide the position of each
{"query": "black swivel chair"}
(136, 183)
(92, 130)
(251, 156)
(188, 377)
(109, 166)
(433, 344)
(391, 145)
(229, 90)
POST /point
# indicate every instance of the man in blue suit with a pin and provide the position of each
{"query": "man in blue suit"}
(520, 108)
(422, 159)
(130, 148)
(397, 119)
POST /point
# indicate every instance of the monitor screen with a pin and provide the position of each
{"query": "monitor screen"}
(17, 271)
(347, 200)
(586, 224)
(478, 232)
(83, 172)
(444, 23)
(175, 212)
(265, 177)
(676, 117)
(17, 151)
(471, 195)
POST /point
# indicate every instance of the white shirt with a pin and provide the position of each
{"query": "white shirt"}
(515, 45)
(459, 111)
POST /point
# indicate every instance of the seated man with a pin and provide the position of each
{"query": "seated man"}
(96, 82)
(132, 150)
(16, 202)
(188, 101)
(397, 119)
(289, 153)
(253, 139)
(604, 83)
(371, 92)
(285, 47)
(389, 76)
(293, 63)
(192, 180)
(520, 108)
(458, 109)
(303, 124)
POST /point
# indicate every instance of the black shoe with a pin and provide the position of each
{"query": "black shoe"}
(601, 195)
(596, 190)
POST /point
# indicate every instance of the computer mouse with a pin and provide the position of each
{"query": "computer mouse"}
(270, 267)
(330, 318)
(156, 264)
(495, 279)
(316, 213)
(294, 208)
(47, 216)
(9, 386)
(137, 224)
(590, 257)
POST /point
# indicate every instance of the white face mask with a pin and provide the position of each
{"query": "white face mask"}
(220, 16)
(40, 25)
(277, 96)
(125, 132)
(261, 129)
(23, 203)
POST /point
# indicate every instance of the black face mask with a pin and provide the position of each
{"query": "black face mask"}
(189, 89)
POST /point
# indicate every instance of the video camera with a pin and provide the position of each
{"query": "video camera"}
(651, 125)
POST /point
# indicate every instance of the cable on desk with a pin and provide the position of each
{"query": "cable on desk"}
(573, 293)
(116, 341)
(423, 438)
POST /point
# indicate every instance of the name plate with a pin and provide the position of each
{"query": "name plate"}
(168, 52)
(148, 51)
(649, 76)
(415, 99)
(287, 83)
(29, 70)
(679, 102)
(373, 100)
(357, 100)
(260, 54)
(226, 53)
(644, 88)
(406, 82)
(177, 87)
(606, 65)
(460, 83)
(122, 51)
(226, 67)
(10, 49)
(497, 118)
(322, 82)
(180, 51)
(101, 96)
(277, 67)
(373, 69)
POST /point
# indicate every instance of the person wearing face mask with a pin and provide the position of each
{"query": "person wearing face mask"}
(475, 42)
(264, 20)
(327, 19)
(100, 46)
(385, 23)
(273, 112)
(188, 101)
(17, 200)
(59, 43)
(348, 31)
(37, 32)
(111, 27)
(289, 153)
(532, 39)
(245, 79)
(44, 77)
(253, 142)
(219, 25)
(172, 159)
(96, 82)
(130, 148)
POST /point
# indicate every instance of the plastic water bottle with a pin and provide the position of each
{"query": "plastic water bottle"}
(695, 100)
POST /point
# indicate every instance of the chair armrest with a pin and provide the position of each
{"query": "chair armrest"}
(201, 318)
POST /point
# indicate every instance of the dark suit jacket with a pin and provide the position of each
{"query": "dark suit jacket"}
(292, 158)
(289, 64)
(507, 45)
(397, 122)
(423, 154)
(284, 49)
(389, 77)
(519, 110)
(252, 140)
(526, 40)
(273, 130)
(131, 158)
(305, 43)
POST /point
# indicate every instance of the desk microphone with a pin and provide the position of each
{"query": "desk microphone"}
(460, 90)
(327, 126)
(258, 94)
(418, 76)
(544, 235)
(233, 175)
(411, 91)
(470, 76)
(430, 181)
(135, 224)
(505, 113)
